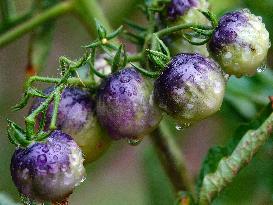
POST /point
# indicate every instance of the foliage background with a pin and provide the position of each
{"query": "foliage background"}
(128, 175)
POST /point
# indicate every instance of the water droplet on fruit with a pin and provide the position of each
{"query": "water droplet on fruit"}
(261, 68)
(125, 79)
(45, 149)
(42, 159)
(178, 127)
(57, 148)
(121, 90)
(134, 141)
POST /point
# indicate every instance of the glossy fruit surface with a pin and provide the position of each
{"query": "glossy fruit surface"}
(240, 43)
(190, 89)
(125, 105)
(50, 170)
(184, 12)
(76, 117)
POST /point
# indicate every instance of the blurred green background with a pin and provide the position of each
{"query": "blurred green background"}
(128, 175)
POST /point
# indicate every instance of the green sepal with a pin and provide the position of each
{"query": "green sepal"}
(117, 59)
(211, 17)
(100, 30)
(115, 33)
(158, 59)
(151, 74)
(17, 135)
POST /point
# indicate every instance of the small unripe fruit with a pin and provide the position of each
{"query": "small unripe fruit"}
(240, 43)
(184, 12)
(76, 117)
(190, 89)
(50, 170)
(125, 106)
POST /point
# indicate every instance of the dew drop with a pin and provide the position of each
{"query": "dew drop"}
(42, 159)
(178, 127)
(45, 149)
(134, 141)
(57, 148)
(261, 69)
(125, 79)
(121, 90)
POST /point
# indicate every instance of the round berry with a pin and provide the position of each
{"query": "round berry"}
(50, 170)
(240, 43)
(76, 117)
(184, 12)
(125, 105)
(190, 89)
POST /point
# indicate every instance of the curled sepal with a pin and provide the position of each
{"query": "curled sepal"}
(159, 59)
(17, 135)
(41, 136)
(117, 59)
(184, 198)
(211, 17)
(151, 74)
(115, 33)
(159, 45)
(100, 30)
(31, 92)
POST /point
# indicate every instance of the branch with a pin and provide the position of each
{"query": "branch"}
(172, 159)
(229, 167)
(37, 20)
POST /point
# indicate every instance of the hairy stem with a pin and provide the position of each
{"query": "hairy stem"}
(229, 167)
(172, 159)
(37, 20)
(173, 29)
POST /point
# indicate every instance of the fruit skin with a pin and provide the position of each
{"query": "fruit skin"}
(190, 89)
(76, 117)
(125, 105)
(50, 170)
(240, 43)
(184, 12)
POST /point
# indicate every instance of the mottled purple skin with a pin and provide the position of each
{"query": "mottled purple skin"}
(47, 171)
(178, 8)
(76, 117)
(185, 88)
(125, 106)
(74, 109)
(227, 30)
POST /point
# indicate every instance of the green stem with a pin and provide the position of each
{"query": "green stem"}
(229, 167)
(70, 81)
(173, 29)
(173, 161)
(37, 20)
(8, 10)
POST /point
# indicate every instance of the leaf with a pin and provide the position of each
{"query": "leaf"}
(216, 153)
(117, 59)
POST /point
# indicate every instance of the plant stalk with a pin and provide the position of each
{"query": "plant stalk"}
(173, 161)
(37, 20)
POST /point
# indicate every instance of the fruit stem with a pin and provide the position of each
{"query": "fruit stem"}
(173, 161)
(173, 29)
